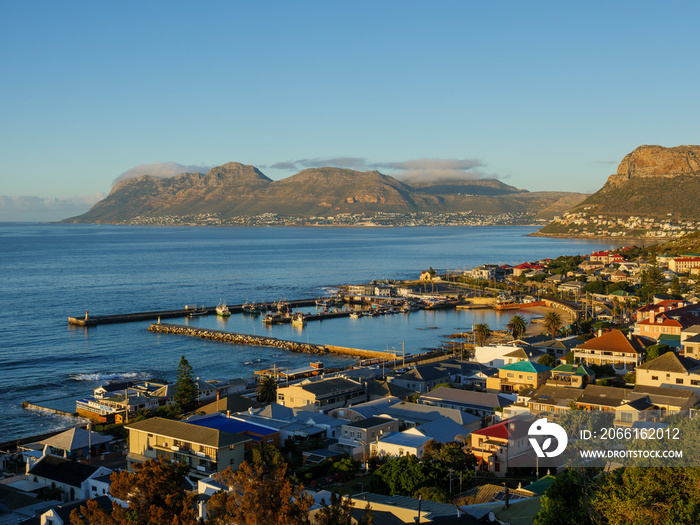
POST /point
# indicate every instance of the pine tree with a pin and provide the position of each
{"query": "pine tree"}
(185, 387)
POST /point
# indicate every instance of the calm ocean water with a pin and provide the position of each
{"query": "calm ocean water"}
(49, 272)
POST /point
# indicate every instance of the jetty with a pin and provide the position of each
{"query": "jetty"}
(262, 340)
(30, 406)
(95, 320)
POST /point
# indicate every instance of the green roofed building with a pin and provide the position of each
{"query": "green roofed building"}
(573, 376)
(516, 376)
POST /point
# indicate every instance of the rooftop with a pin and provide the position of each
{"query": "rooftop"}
(526, 366)
(189, 432)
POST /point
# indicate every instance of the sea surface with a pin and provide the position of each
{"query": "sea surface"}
(49, 272)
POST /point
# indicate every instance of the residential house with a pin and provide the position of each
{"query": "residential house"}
(671, 371)
(602, 398)
(71, 478)
(624, 353)
(356, 437)
(516, 376)
(571, 376)
(232, 404)
(644, 312)
(467, 373)
(494, 355)
(60, 514)
(648, 403)
(558, 347)
(691, 347)
(77, 443)
(668, 321)
(574, 287)
(421, 378)
(525, 268)
(481, 404)
(552, 399)
(381, 389)
(205, 450)
(503, 446)
(521, 354)
(322, 395)
(231, 424)
(411, 441)
(394, 510)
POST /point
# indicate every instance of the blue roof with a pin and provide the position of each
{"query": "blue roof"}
(229, 424)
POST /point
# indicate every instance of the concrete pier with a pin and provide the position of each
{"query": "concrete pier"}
(29, 406)
(94, 320)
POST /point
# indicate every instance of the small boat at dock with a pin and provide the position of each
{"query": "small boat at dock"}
(222, 310)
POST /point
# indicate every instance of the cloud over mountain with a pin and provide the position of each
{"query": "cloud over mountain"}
(163, 170)
(417, 170)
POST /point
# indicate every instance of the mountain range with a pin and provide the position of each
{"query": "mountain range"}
(235, 189)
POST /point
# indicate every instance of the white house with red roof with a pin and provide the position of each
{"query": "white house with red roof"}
(526, 267)
(502, 446)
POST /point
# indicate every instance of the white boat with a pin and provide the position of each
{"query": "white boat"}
(298, 319)
(222, 310)
(355, 315)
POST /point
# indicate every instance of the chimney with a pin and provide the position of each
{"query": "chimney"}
(600, 332)
(507, 496)
(218, 394)
(228, 413)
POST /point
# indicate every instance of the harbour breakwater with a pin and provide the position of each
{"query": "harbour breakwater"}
(257, 340)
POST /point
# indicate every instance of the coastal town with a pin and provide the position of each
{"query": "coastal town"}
(438, 436)
(345, 219)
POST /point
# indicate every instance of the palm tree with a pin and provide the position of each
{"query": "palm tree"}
(517, 326)
(552, 322)
(481, 332)
(267, 390)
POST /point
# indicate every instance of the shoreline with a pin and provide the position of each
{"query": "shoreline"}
(600, 237)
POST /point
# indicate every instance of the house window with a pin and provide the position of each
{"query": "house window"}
(654, 378)
(695, 382)
(510, 374)
(529, 378)
(626, 417)
(668, 376)
(497, 466)
(679, 381)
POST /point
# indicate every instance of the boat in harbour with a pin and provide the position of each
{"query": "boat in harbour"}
(298, 319)
(222, 310)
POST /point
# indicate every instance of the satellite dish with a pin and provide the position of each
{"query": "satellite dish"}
(492, 516)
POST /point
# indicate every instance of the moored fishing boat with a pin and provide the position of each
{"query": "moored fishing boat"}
(222, 310)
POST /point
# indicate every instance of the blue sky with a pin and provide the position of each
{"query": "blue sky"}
(542, 95)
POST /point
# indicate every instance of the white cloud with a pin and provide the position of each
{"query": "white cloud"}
(29, 208)
(163, 170)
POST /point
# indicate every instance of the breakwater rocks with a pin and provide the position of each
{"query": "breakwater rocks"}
(236, 338)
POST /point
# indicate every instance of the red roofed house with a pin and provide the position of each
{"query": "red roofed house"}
(607, 257)
(614, 348)
(526, 267)
(683, 264)
(669, 304)
(601, 256)
(668, 321)
(502, 446)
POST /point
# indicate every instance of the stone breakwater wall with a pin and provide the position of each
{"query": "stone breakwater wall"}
(236, 338)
